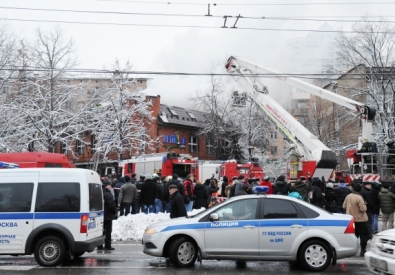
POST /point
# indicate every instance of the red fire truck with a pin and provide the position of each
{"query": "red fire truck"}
(37, 159)
(163, 164)
(231, 168)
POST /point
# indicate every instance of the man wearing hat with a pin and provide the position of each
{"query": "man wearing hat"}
(110, 210)
(177, 206)
(341, 192)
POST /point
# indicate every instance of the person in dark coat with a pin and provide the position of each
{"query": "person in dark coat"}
(202, 194)
(341, 192)
(110, 211)
(225, 183)
(366, 194)
(279, 186)
(177, 206)
(244, 189)
(330, 198)
(148, 194)
(316, 193)
(387, 205)
(136, 205)
(302, 189)
(117, 187)
(376, 188)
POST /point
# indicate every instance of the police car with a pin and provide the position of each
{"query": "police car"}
(255, 228)
(55, 214)
(381, 257)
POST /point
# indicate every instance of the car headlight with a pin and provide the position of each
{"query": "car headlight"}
(153, 230)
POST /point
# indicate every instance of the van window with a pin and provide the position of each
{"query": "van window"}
(58, 197)
(95, 197)
(16, 197)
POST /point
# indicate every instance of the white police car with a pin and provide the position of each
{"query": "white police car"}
(255, 228)
(381, 257)
(55, 213)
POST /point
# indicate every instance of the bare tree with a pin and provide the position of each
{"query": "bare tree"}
(43, 94)
(217, 128)
(371, 51)
(122, 118)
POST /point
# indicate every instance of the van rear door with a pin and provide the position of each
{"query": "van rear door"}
(96, 210)
(16, 213)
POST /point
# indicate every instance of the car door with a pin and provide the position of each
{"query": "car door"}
(16, 214)
(236, 231)
(281, 227)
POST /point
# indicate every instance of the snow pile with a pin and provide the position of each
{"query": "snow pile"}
(131, 227)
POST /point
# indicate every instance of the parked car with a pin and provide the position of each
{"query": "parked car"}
(255, 228)
(381, 257)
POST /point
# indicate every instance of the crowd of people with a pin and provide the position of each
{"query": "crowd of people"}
(155, 194)
(170, 194)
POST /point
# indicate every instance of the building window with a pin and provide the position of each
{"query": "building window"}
(80, 146)
(192, 116)
(80, 105)
(173, 113)
(302, 105)
(193, 144)
(63, 148)
(68, 105)
(209, 147)
(273, 135)
(273, 150)
(93, 141)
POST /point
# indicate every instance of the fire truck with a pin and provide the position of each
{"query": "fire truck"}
(37, 159)
(319, 160)
(251, 169)
(163, 164)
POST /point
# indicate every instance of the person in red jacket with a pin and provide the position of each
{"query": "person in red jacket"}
(266, 182)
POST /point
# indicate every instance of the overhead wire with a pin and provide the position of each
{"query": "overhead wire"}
(188, 15)
(248, 4)
(187, 26)
(263, 75)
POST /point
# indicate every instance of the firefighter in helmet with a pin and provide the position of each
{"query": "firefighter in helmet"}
(391, 151)
(294, 158)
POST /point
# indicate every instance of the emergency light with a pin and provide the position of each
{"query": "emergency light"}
(8, 165)
(260, 189)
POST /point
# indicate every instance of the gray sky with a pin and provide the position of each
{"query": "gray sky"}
(151, 46)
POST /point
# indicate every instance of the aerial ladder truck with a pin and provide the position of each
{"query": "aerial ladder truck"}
(319, 160)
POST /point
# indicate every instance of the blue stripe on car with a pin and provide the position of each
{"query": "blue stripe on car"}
(47, 216)
(258, 223)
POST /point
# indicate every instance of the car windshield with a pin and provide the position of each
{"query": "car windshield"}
(204, 212)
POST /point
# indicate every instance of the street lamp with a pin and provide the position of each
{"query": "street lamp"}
(250, 149)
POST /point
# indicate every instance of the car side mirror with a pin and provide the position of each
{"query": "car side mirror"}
(214, 217)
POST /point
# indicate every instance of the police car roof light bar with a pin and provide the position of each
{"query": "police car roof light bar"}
(8, 165)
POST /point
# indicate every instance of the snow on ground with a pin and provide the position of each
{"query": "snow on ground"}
(132, 227)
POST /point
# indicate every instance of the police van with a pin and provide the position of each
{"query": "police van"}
(55, 214)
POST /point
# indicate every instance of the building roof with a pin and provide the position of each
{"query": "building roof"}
(180, 116)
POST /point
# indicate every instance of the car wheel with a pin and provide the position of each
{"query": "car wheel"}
(183, 252)
(50, 251)
(315, 255)
(79, 254)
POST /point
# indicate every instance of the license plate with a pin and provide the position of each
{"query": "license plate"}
(92, 225)
(378, 264)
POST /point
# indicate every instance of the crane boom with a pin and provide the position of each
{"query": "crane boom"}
(244, 67)
(293, 130)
